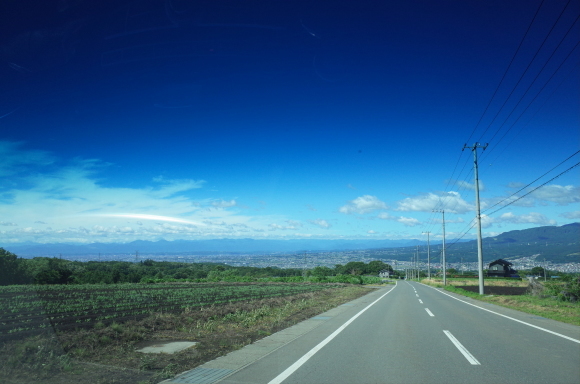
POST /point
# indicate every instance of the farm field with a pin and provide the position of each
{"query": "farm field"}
(101, 352)
(27, 310)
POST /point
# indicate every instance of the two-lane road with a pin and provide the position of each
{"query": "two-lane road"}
(411, 333)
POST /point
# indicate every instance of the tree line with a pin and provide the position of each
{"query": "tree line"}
(46, 270)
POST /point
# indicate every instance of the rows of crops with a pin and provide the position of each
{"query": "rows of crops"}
(28, 309)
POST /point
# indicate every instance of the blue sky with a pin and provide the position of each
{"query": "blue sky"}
(170, 119)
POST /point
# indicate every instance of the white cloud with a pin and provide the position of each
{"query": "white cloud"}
(516, 184)
(467, 185)
(171, 187)
(294, 223)
(223, 203)
(363, 204)
(80, 209)
(571, 215)
(371, 232)
(559, 194)
(407, 221)
(274, 227)
(501, 201)
(450, 201)
(321, 223)
(530, 218)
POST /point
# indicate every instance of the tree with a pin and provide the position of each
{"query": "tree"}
(322, 271)
(375, 266)
(355, 268)
(538, 271)
(12, 270)
(54, 271)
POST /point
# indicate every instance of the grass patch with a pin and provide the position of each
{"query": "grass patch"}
(488, 282)
(548, 307)
(106, 353)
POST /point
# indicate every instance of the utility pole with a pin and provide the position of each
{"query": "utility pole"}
(444, 264)
(428, 256)
(477, 213)
(418, 265)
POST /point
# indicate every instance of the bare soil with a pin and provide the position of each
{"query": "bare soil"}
(106, 354)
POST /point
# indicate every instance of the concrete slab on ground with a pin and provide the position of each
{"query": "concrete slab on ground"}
(218, 369)
(166, 346)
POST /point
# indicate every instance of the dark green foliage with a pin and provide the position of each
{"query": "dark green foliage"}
(537, 271)
(360, 268)
(569, 291)
(44, 270)
(12, 269)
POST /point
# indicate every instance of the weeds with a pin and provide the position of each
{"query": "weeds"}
(218, 330)
(551, 307)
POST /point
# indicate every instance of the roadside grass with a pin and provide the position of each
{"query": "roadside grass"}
(107, 353)
(475, 281)
(548, 307)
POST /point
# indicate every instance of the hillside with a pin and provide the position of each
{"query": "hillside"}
(555, 244)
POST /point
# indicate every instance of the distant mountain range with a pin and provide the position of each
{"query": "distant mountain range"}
(204, 246)
(555, 244)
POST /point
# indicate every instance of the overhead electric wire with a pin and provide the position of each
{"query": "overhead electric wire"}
(537, 76)
(506, 71)
(444, 201)
(442, 205)
(524, 126)
(465, 232)
(474, 221)
(526, 70)
(526, 186)
(538, 187)
(532, 101)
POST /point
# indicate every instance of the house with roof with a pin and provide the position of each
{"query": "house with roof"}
(501, 268)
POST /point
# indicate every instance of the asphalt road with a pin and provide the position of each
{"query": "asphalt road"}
(413, 333)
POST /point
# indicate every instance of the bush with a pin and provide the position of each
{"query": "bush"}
(569, 291)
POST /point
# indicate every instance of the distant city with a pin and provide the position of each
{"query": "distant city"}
(309, 260)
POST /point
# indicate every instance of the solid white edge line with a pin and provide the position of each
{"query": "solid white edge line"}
(462, 349)
(429, 312)
(508, 317)
(291, 369)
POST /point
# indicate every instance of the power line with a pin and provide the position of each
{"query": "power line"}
(473, 222)
(534, 115)
(536, 78)
(521, 189)
(521, 197)
(526, 70)
(443, 204)
(506, 71)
